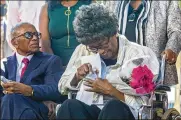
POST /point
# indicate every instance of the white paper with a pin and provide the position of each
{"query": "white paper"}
(89, 97)
(94, 60)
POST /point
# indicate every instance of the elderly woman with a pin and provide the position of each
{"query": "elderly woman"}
(96, 29)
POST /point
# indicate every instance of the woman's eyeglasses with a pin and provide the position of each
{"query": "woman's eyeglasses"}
(29, 35)
(102, 46)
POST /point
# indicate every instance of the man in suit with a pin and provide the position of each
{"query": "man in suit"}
(34, 77)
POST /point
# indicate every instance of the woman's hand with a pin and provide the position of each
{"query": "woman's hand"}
(82, 71)
(171, 56)
(99, 86)
(104, 87)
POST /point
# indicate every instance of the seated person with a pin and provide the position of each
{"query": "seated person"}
(34, 77)
(96, 29)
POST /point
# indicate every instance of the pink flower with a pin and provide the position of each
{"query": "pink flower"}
(142, 80)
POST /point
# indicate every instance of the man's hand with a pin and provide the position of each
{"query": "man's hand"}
(16, 87)
(82, 71)
(51, 107)
(171, 56)
(99, 86)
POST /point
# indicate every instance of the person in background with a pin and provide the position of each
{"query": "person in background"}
(56, 27)
(32, 78)
(22, 11)
(155, 24)
(177, 104)
(3, 42)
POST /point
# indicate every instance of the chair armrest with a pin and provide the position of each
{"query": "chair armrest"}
(162, 88)
(72, 92)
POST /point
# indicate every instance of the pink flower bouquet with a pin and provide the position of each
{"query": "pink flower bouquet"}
(142, 80)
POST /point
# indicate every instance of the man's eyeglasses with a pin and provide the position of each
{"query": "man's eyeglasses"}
(102, 46)
(29, 35)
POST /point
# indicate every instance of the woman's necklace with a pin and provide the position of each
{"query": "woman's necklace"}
(132, 16)
(68, 13)
(135, 6)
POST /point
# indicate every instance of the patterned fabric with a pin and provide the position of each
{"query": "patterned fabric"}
(109, 3)
(127, 51)
(159, 28)
(123, 13)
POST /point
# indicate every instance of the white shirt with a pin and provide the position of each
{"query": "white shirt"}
(23, 11)
(20, 65)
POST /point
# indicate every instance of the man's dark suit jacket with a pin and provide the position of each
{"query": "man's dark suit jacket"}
(42, 74)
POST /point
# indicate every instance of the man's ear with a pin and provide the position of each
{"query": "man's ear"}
(14, 43)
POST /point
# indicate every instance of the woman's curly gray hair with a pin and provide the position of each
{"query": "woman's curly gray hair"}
(94, 22)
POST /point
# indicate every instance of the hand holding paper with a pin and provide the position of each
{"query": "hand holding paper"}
(95, 62)
(82, 71)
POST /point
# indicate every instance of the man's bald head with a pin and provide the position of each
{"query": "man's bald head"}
(15, 30)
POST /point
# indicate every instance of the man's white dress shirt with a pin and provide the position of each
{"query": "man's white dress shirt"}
(20, 65)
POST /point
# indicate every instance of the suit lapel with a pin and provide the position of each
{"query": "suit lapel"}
(12, 67)
(34, 63)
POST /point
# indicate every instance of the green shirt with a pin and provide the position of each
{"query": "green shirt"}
(58, 30)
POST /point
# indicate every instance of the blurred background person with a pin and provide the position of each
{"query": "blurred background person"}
(56, 27)
(4, 45)
(177, 104)
(22, 11)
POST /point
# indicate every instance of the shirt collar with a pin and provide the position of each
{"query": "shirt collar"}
(20, 58)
